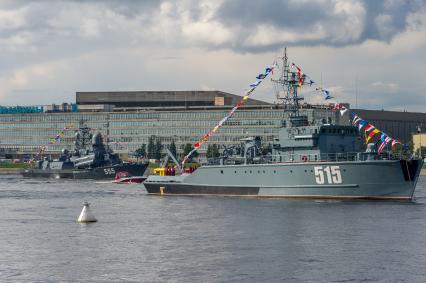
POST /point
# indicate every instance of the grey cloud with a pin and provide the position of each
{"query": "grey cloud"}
(383, 20)
(130, 8)
(39, 31)
(247, 13)
(315, 20)
(170, 58)
(387, 18)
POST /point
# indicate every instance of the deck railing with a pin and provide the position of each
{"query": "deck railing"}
(309, 157)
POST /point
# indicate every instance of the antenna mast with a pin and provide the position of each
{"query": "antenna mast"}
(288, 81)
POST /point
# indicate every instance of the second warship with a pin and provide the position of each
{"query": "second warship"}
(90, 159)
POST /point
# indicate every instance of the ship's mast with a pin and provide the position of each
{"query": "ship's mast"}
(85, 137)
(288, 83)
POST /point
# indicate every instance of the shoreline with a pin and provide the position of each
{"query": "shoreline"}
(17, 171)
(10, 171)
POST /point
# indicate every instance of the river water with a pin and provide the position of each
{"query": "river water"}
(143, 238)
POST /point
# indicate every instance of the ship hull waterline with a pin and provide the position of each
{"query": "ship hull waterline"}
(375, 180)
(98, 173)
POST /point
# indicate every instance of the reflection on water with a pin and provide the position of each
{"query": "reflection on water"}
(203, 239)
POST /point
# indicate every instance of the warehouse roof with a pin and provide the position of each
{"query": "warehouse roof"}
(162, 98)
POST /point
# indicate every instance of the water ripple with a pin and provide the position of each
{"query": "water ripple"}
(142, 238)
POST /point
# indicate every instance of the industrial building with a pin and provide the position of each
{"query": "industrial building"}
(148, 99)
(187, 117)
(128, 119)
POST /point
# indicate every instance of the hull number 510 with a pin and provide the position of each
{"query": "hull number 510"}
(329, 174)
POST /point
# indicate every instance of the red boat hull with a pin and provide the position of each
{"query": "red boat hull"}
(130, 180)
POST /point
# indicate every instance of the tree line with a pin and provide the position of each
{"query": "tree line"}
(155, 149)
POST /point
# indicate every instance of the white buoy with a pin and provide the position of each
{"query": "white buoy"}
(86, 214)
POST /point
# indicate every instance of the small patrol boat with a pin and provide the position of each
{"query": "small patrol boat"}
(125, 178)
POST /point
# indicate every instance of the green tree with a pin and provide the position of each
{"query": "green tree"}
(212, 151)
(215, 151)
(172, 148)
(209, 153)
(421, 151)
(141, 152)
(410, 146)
(158, 147)
(187, 149)
(151, 147)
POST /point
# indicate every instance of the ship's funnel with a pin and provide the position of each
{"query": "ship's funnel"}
(86, 215)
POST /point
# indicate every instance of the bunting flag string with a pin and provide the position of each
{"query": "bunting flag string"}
(369, 130)
(341, 108)
(369, 127)
(56, 139)
(325, 92)
(355, 119)
(361, 124)
(385, 141)
(40, 151)
(371, 135)
(231, 113)
(59, 136)
(394, 143)
(301, 76)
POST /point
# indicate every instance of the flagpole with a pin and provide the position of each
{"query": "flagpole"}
(420, 140)
(356, 92)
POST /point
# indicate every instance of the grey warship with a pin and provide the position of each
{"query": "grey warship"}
(314, 160)
(90, 159)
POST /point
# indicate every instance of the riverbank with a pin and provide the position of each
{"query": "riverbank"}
(10, 171)
(16, 171)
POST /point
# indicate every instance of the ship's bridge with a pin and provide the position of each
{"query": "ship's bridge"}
(311, 142)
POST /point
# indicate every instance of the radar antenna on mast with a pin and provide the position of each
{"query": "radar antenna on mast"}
(291, 78)
(289, 82)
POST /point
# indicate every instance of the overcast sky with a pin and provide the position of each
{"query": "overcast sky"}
(369, 53)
